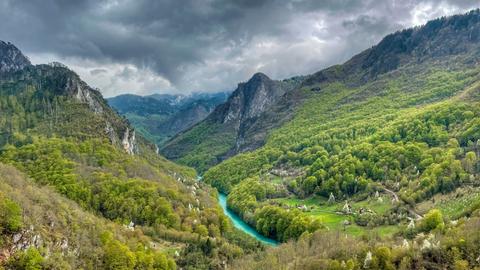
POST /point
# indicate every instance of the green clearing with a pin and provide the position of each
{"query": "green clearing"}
(327, 214)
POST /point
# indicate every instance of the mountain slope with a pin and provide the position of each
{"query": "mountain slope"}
(159, 117)
(372, 141)
(66, 232)
(228, 129)
(437, 39)
(62, 134)
(51, 99)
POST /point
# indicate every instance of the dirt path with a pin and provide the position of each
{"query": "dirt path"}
(395, 196)
(410, 208)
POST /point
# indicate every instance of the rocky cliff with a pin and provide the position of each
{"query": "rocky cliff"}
(247, 104)
(227, 130)
(249, 100)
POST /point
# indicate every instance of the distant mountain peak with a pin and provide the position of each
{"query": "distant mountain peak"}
(11, 58)
(158, 118)
(252, 98)
(259, 76)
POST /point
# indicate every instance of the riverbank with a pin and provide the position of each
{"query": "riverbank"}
(241, 225)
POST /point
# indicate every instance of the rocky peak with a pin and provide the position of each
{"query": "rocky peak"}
(11, 58)
(244, 120)
(251, 99)
(259, 76)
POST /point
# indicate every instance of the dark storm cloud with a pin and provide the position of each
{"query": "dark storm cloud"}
(210, 44)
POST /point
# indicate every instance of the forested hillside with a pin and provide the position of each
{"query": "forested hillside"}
(377, 144)
(62, 134)
(37, 221)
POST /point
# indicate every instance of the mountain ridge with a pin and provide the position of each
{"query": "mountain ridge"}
(232, 120)
(62, 82)
(405, 47)
(160, 116)
(367, 135)
(413, 44)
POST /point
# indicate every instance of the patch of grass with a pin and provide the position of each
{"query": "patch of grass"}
(326, 213)
(379, 207)
(387, 230)
(310, 201)
(276, 179)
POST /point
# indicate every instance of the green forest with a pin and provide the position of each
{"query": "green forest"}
(384, 162)
(159, 212)
(410, 151)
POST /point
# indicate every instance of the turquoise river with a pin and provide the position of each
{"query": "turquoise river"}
(241, 225)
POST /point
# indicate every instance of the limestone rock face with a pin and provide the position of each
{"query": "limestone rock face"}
(129, 142)
(244, 120)
(246, 105)
(250, 99)
(83, 93)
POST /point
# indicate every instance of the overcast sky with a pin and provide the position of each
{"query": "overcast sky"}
(180, 46)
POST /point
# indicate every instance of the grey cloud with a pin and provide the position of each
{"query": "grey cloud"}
(98, 71)
(127, 73)
(211, 44)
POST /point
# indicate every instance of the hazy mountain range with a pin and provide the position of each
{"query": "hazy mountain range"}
(158, 117)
